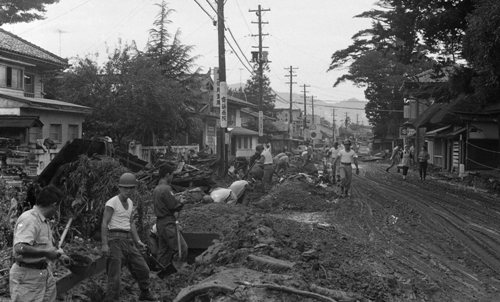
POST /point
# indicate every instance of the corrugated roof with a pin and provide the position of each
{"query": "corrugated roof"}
(12, 43)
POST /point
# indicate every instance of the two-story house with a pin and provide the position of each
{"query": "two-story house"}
(26, 117)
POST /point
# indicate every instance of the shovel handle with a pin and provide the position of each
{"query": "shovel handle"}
(65, 232)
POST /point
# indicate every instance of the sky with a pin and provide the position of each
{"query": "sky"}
(302, 34)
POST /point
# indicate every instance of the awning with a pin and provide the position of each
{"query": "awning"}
(450, 134)
(436, 131)
(242, 131)
(17, 121)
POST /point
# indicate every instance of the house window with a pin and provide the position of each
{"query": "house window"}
(34, 134)
(73, 131)
(29, 85)
(239, 142)
(55, 133)
(245, 143)
(251, 142)
(14, 78)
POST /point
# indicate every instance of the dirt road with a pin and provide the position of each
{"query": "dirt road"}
(442, 240)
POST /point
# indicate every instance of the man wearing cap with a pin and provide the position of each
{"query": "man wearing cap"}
(346, 158)
(119, 240)
(166, 206)
(30, 278)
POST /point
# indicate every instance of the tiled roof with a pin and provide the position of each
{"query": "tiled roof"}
(12, 43)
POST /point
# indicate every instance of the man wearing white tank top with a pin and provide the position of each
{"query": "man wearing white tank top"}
(120, 240)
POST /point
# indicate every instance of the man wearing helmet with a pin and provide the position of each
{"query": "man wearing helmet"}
(119, 239)
(344, 161)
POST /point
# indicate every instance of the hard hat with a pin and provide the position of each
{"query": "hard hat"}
(127, 180)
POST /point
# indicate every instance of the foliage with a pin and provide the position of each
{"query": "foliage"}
(481, 44)
(19, 11)
(136, 95)
(94, 182)
(251, 93)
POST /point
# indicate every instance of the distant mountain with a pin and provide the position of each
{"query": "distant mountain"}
(354, 108)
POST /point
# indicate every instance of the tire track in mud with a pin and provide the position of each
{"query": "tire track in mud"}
(469, 221)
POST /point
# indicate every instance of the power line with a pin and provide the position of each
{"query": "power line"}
(210, 16)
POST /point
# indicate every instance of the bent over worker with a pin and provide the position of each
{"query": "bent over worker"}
(346, 158)
(170, 240)
(120, 241)
(30, 278)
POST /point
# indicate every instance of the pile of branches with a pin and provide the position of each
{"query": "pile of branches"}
(95, 181)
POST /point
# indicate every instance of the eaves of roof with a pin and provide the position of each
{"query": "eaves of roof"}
(47, 104)
(10, 43)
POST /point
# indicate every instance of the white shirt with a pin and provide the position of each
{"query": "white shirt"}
(268, 158)
(347, 157)
(121, 218)
(334, 153)
(238, 187)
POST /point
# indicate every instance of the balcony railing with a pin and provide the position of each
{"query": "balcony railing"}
(29, 94)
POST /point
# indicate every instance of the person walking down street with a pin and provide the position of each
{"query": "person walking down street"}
(395, 158)
(334, 152)
(406, 160)
(268, 167)
(423, 157)
(120, 241)
(166, 207)
(345, 159)
(30, 277)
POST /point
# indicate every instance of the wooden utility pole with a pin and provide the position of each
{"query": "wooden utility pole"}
(305, 110)
(222, 78)
(290, 112)
(312, 107)
(261, 64)
(333, 125)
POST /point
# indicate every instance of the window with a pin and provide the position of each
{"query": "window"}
(14, 78)
(245, 143)
(73, 131)
(29, 84)
(34, 134)
(55, 133)
(251, 142)
(239, 142)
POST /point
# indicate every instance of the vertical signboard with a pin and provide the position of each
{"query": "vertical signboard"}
(216, 87)
(223, 104)
(261, 123)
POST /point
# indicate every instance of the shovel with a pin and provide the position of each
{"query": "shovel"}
(70, 220)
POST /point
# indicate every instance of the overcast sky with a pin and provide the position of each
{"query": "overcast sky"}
(302, 33)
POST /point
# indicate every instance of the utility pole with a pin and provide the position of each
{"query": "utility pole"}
(333, 125)
(312, 105)
(222, 78)
(305, 109)
(290, 112)
(261, 63)
(357, 118)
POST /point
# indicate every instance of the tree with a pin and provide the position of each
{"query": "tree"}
(251, 93)
(18, 11)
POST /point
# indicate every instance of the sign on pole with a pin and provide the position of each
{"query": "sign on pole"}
(261, 123)
(216, 87)
(223, 104)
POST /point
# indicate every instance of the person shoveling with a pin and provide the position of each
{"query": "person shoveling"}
(234, 194)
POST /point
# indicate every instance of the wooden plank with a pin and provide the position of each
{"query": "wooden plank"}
(70, 280)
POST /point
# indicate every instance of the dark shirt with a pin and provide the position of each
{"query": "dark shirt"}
(165, 203)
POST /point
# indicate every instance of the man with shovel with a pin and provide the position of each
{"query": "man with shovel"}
(120, 240)
(170, 240)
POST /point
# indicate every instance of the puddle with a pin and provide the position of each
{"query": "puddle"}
(307, 218)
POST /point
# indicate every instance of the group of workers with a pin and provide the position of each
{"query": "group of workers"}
(31, 276)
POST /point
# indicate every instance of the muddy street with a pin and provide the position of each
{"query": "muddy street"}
(431, 233)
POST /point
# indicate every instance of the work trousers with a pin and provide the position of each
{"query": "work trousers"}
(345, 172)
(34, 285)
(422, 169)
(405, 170)
(168, 245)
(268, 176)
(123, 251)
